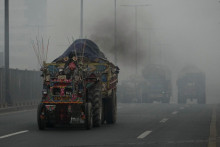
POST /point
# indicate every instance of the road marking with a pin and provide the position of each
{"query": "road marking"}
(164, 120)
(175, 112)
(181, 108)
(212, 136)
(12, 134)
(143, 135)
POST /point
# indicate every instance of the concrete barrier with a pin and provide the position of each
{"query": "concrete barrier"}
(18, 106)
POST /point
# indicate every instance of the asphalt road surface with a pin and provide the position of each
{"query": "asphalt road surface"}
(147, 125)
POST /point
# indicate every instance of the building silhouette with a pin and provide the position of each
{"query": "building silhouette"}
(27, 19)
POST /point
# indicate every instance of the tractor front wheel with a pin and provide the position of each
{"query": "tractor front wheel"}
(111, 108)
(41, 117)
(89, 118)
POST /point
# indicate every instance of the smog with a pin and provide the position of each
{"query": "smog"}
(173, 33)
(109, 73)
(125, 43)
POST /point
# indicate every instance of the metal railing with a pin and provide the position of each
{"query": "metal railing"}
(25, 87)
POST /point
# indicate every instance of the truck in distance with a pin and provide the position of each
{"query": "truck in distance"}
(191, 85)
(156, 85)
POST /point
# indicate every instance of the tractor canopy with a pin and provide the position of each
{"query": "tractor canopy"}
(82, 47)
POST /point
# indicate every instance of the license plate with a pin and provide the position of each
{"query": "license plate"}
(61, 98)
(62, 77)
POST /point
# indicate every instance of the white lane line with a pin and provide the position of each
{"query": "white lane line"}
(181, 108)
(175, 112)
(143, 135)
(12, 134)
(164, 120)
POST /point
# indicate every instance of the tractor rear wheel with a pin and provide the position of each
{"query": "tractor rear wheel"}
(88, 112)
(97, 107)
(111, 108)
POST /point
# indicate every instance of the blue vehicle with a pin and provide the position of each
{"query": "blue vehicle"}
(191, 86)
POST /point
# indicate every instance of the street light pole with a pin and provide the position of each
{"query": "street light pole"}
(136, 46)
(7, 96)
(115, 35)
(81, 20)
(136, 40)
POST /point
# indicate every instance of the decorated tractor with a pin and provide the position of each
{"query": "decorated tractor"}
(79, 88)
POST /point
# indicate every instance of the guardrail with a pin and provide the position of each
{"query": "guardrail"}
(25, 87)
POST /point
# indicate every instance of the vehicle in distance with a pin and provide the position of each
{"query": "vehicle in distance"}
(191, 86)
(156, 85)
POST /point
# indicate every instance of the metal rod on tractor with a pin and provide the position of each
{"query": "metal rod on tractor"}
(81, 20)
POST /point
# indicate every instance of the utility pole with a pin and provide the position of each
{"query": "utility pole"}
(115, 34)
(81, 20)
(7, 95)
(136, 46)
(136, 40)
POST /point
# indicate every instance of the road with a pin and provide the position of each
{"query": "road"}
(142, 125)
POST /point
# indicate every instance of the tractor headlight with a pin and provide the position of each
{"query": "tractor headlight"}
(60, 70)
(44, 91)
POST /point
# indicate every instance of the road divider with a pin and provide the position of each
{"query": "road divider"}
(17, 108)
(13, 134)
(143, 135)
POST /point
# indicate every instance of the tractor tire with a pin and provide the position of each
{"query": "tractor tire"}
(50, 125)
(146, 99)
(111, 108)
(40, 121)
(103, 111)
(165, 100)
(97, 107)
(181, 100)
(201, 100)
(89, 118)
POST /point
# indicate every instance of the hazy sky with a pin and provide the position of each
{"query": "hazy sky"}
(175, 32)
(178, 32)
